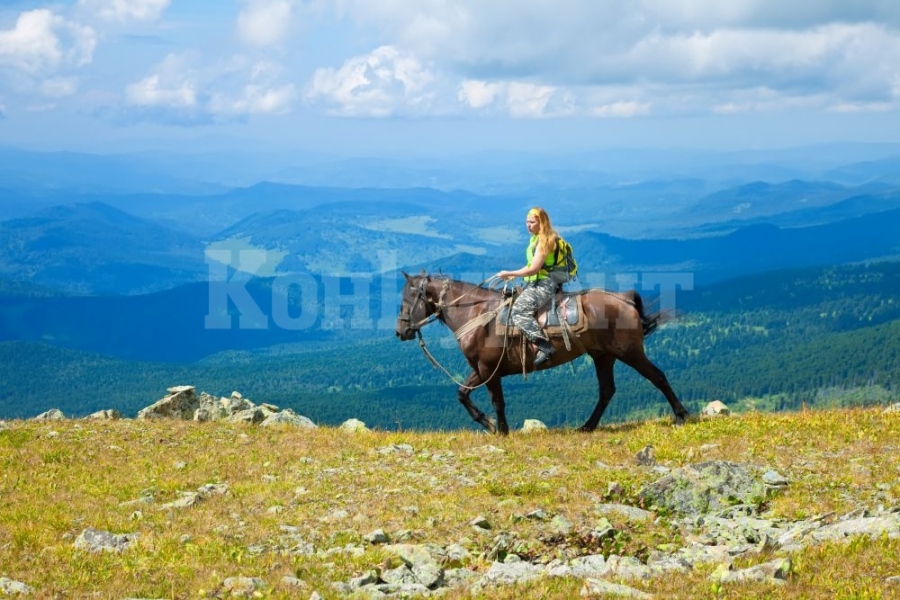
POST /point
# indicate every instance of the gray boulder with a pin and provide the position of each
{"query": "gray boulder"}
(181, 403)
(54, 414)
(706, 487)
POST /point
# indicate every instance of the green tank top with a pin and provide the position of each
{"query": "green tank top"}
(529, 256)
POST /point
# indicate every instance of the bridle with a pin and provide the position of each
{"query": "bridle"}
(422, 296)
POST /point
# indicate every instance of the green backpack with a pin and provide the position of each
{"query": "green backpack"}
(564, 268)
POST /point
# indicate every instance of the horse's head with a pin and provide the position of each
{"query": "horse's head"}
(417, 305)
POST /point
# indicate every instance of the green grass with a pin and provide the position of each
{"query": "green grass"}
(59, 478)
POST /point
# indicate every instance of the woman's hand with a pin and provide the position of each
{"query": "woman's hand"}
(505, 275)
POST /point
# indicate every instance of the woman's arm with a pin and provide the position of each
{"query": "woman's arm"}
(537, 263)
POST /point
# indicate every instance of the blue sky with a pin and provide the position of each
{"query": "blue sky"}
(408, 76)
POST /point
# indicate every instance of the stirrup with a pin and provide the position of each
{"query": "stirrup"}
(544, 352)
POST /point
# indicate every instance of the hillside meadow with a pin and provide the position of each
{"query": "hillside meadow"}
(302, 509)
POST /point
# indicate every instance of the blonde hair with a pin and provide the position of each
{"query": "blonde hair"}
(547, 236)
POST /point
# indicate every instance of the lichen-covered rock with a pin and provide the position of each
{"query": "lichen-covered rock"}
(94, 540)
(705, 487)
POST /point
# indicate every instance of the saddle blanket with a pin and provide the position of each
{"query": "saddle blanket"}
(564, 306)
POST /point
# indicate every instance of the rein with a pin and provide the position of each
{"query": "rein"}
(469, 326)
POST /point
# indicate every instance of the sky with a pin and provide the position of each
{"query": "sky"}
(446, 76)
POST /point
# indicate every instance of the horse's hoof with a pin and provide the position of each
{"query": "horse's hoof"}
(586, 429)
(680, 419)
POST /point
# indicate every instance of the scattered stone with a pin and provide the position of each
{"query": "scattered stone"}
(9, 587)
(376, 537)
(893, 408)
(94, 540)
(537, 515)
(243, 586)
(632, 513)
(561, 525)
(510, 574)
(213, 489)
(54, 414)
(646, 457)
(716, 408)
(109, 414)
(775, 571)
(599, 587)
(353, 426)
(774, 479)
(294, 582)
(186, 500)
(288, 417)
(614, 489)
(403, 449)
(533, 426)
(480, 523)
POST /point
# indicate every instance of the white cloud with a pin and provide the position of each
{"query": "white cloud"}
(264, 22)
(621, 109)
(681, 55)
(382, 83)
(479, 94)
(42, 42)
(126, 10)
(59, 87)
(173, 85)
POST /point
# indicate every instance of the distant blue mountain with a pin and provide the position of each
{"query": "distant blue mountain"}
(94, 248)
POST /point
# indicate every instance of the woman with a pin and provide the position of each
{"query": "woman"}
(539, 288)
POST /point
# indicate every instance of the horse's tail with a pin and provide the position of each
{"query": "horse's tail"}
(649, 322)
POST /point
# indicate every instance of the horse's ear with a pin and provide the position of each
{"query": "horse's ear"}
(406, 275)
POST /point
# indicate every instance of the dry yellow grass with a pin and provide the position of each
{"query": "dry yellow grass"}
(59, 478)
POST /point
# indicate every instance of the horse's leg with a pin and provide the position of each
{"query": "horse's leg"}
(495, 389)
(606, 382)
(640, 363)
(472, 381)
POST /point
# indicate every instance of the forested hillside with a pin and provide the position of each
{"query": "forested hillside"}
(776, 341)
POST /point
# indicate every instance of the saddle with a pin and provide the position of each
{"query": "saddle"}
(566, 307)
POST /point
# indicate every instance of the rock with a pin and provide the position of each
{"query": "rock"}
(9, 587)
(893, 408)
(181, 403)
(716, 408)
(561, 525)
(288, 417)
(775, 571)
(54, 414)
(186, 500)
(423, 561)
(480, 523)
(353, 426)
(243, 586)
(601, 588)
(510, 574)
(646, 457)
(774, 479)
(94, 540)
(376, 537)
(533, 426)
(110, 414)
(873, 527)
(632, 513)
(705, 487)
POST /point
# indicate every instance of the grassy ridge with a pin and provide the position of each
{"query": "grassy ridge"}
(59, 478)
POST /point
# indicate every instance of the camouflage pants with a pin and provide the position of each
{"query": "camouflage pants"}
(535, 295)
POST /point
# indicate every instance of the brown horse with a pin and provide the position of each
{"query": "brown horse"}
(616, 327)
